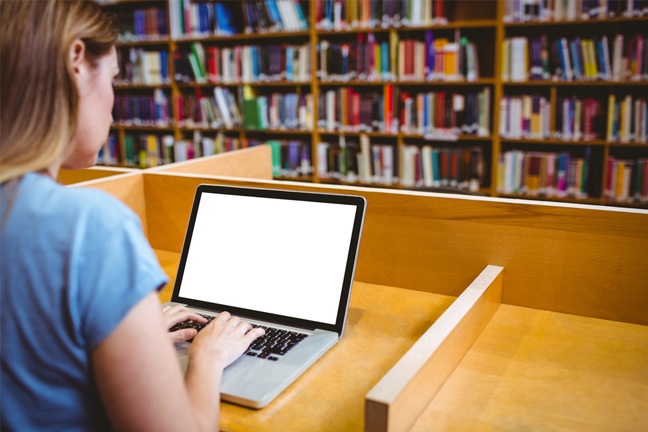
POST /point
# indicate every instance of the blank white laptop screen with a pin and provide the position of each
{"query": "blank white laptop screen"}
(278, 256)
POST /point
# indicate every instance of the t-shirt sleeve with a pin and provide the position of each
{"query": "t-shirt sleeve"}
(116, 269)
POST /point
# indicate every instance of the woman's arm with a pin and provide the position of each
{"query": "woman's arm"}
(140, 380)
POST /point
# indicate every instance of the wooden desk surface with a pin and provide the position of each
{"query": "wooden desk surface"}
(383, 323)
(539, 370)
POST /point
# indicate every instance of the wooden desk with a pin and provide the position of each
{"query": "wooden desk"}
(542, 370)
(383, 323)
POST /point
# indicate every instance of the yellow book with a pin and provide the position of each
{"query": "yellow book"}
(439, 46)
(449, 60)
(610, 119)
(622, 122)
(393, 54)
(152, 151)
(401, 60)
(619, 180)
(592, 56)
(378, 61)
(506, 61)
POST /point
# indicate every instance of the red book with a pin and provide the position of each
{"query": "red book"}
(644, 181)
(212, 58)
(409, 57)
(361, 54)
(179, 108)
(356, 110)
(438, 9)
(388, 108)
(454, 166)
(418, 175)
(444, 164)
(440, 120)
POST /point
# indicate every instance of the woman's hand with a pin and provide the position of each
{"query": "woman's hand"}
(177, 314)
(223, 340)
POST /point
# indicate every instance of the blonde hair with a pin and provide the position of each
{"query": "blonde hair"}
(38, 113)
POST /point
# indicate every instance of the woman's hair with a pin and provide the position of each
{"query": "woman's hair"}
(38, 112)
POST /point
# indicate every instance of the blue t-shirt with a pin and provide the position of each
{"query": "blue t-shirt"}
(73, 262)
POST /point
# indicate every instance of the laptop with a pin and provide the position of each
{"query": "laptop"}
(280, 259)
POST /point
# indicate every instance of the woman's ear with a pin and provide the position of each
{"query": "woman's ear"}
(78, 61)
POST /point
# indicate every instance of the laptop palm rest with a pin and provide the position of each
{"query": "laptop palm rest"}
(254, 382)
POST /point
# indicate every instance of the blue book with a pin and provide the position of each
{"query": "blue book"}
(164, 63)
(226, 21)
(429, 43)
(384, 59)
(289, 63)
(603, 72)
(436, 174)
(561, 57)
(300, 15)
(426, 113)
(273, 12)
(329, 13)
(140, 29)
(577, 66)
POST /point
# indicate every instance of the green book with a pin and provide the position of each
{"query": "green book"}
(129, 150)
(195, 67)
(250, 114)
(276, 157)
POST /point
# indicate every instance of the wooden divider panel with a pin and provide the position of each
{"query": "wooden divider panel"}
(68, 177)
(560, 257)
(251, 163)
(395, 403)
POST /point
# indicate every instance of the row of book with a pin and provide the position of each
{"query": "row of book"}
(414, 166)
(351, 14)
(545, 174)
(279, 111)
(441, 115)
(243, 64)
(357, 162)
(142, 25)
(191, 19)
(142, 67)
(627, 119)
(627, 180)
(435, 115)
(528, 117)
(150, 150)
(579, 59)
(220, 109)
(153, 110)
(291, 158)
(571, 10)
(394, 59)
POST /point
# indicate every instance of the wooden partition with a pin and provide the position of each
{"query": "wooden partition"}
(560, 257)
(251, 163)
(68, 177)
(395, 403)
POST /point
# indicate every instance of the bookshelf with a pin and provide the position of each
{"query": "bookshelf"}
(486, 24)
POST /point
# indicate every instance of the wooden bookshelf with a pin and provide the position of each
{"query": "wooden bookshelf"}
(483, 20)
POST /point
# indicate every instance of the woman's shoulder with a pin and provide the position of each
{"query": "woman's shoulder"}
(40, 196)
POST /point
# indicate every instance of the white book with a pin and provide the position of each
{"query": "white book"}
(322, 160)
(578, 108)
(324, 46)
(628, 119)
(427, 165)
(504, 117)
(330, 110)
(606, 59)
(617, 57)
(515, 118)
(222, 107)
(545, 109)
(387, 152)
(519, 70)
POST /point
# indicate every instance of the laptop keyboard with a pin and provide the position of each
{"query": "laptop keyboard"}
(274, 344)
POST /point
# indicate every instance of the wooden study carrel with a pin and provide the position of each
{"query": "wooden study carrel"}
(467, 313)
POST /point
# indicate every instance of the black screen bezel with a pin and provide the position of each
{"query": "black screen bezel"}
(357, 201)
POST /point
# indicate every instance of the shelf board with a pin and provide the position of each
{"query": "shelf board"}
(144, 128)
(140, 86)
(576, 22)
(404, 135)
(254, 84)
(450, 25)
(483, 81)
(299, 179)
(164, 41)
(627, 205)
(554, 141)
(576, 83)
(239, 130)
(243, 36)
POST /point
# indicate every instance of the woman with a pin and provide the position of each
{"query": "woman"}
(83, 340)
